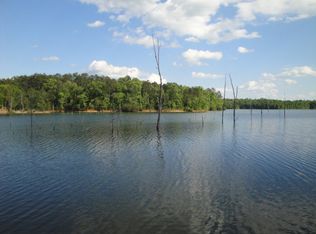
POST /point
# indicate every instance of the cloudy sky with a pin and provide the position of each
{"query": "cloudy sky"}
(268, 46)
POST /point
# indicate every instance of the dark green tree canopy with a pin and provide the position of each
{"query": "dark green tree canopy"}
(79, 92)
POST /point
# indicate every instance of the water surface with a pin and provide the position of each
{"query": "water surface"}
(99, 173)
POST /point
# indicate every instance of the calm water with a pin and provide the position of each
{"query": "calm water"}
(84, 173)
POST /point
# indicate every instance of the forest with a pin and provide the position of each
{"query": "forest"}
(263, 103)
(81, 92)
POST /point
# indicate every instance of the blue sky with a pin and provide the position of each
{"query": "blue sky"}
(268, 46)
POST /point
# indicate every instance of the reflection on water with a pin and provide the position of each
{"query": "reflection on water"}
(159, 145)
(114, 173)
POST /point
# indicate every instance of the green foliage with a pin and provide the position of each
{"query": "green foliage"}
(9, 96)
(36, 100)
(72, 97)
(270, 104)
(173, 96)
(150, 93)
(78, 92)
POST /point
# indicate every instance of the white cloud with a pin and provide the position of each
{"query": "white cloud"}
(261, 88)
(139, 37)
(102, 67)
(173, 44)
(206, 75)
(50, 58)
(201, 19)
(268, 76)
(258, 85)
(290, 82)
(303, 96)
(96, 24)
(221, 90)
(244, 50)
(144, 41)
(280, 10)
(267, 84)
(194, 57)
(295, 18)
(123, 18)
(292, 72)
(192, 39)
(228, 92)
(154, 78)
(298, 72)
(195, 19)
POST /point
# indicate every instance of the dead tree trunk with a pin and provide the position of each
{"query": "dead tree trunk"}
(156, 47)
(284, 104)
(235, 94)
(235, 103)
(251, 108)
(202, 121)
(223, 106)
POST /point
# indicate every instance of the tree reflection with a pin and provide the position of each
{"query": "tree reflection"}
(159, 145)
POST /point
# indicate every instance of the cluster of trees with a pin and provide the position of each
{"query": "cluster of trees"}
(270, 104)
(78, 92)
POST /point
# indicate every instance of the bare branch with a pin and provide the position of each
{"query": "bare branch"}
(156, 47)
(235, 97)
(231, 82)
(225, 89)
(155, 51)
(223, 106)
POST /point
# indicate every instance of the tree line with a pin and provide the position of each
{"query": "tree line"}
(270, 104)
(80, 92)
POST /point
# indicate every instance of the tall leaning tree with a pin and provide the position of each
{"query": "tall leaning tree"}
(235, 94)
(224, 99)
(156, 48)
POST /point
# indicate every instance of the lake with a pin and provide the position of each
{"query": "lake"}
(104, 173)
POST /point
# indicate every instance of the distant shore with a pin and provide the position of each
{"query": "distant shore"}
(36, 112)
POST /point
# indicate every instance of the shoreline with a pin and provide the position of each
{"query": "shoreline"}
(48, 112)
(4, 112)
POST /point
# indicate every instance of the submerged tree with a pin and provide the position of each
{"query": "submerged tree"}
(235, 94)
(223, 106)
(156, 47)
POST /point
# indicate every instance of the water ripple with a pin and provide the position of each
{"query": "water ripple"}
(104, 173)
